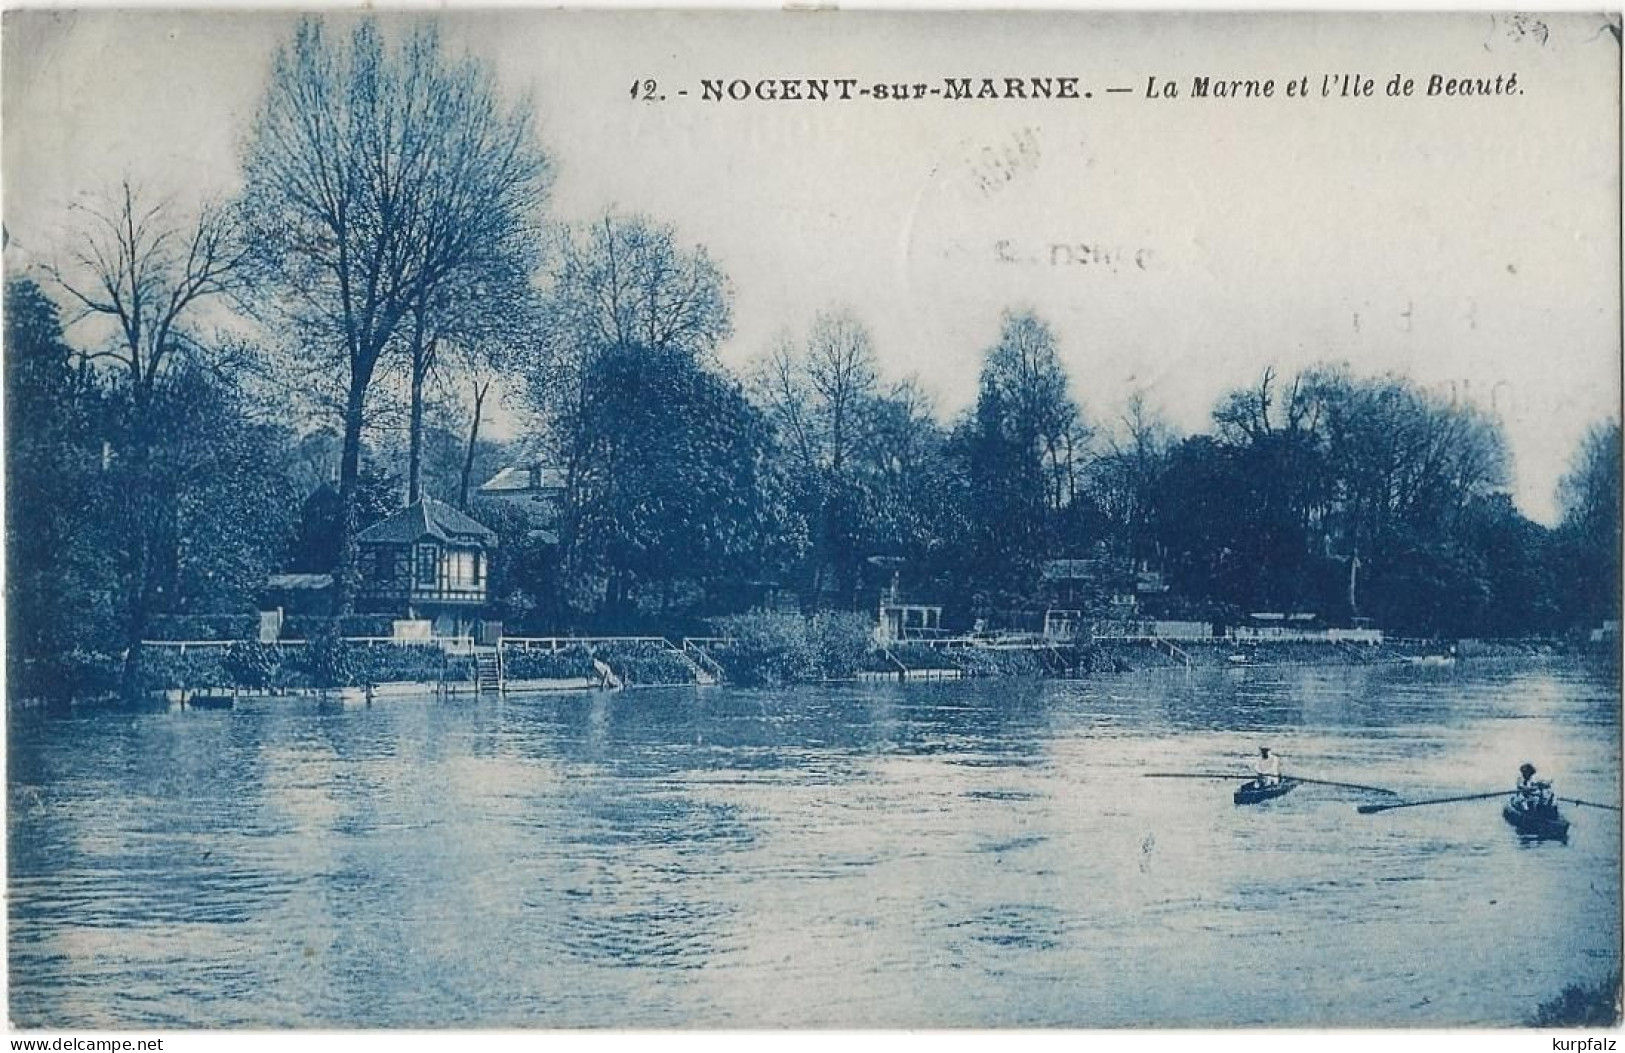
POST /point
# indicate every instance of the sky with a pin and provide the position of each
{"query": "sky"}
(1177, 246)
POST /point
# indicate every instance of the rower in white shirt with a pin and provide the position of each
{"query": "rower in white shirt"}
(1267, 767)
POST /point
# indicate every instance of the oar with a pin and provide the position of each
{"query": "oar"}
(1345, 785)
(1589, 804)
(1367, 809)
(1239, 775)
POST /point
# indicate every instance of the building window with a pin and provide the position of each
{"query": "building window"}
(459, 570)
(427, 565)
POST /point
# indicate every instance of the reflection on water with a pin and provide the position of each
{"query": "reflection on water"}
(933, 855)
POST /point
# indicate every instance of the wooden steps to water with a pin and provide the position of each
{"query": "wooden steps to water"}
(488, 677)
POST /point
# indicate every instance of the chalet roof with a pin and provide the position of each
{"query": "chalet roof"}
(522, 478)
(427, 518)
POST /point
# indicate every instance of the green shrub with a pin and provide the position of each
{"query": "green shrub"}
(168, 668)
(570, 663)
(646, 663)
(766, 649)
(330, 662)
(986, 661)
(772, 649)
(840, 642)
(876, 661)
(920, 656)
(75, 674)
(396, 663)
(252, 665)
(309, 627)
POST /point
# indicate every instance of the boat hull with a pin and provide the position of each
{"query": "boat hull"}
(1532, 824)
(1253, 793)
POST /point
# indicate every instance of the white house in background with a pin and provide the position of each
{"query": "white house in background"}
(537, 486)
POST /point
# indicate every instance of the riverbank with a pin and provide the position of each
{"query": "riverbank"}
(762, 652)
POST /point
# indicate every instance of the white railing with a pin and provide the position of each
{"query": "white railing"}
(180, 646)
(708, 641)
(1270, 634)
(450, 644)
(559, 643)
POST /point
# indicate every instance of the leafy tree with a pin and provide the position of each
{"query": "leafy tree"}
(524, 578)
(1589, 534)
(58, 557)
(128, 500)
(669, 490)
(1518, 562)
(617, 289)
(1006, 512)
(1038, 410)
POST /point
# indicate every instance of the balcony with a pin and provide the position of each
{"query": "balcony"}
(467, 594)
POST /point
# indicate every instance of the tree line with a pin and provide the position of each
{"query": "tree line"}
(196, 400)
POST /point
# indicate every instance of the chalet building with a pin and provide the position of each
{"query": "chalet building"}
(427, 561)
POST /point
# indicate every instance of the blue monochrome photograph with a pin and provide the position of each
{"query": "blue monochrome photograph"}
(806, 520)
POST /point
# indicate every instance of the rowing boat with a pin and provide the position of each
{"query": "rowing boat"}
(1256, 791)
(1533, 819)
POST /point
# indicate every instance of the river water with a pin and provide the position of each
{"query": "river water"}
(966, 854)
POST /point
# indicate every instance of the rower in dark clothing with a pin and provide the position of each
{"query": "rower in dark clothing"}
(1535, 794)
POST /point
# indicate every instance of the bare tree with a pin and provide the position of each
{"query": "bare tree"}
(623, 281)
(377, 179)
(778, 383)
(480, 384)
(1126, 478)
(470, 325)
(818, 395)
(619, 282)
(900, 432)
(840, 369)
(144, 270)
